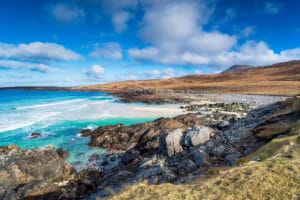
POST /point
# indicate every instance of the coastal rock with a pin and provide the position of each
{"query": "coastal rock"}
(232, 157)
(35, 135)
(223, 125)
(94, 157)
(129, 157)
(62, 153)
(144, 137)
(173, 140)
(7, 149)
(199, 157)
(21, 167)
(186, 166)
(198, 135)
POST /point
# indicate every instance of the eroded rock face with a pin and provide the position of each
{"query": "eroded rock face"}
(280, 122)
(21, 167)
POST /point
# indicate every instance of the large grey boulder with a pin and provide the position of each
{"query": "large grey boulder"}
(173, 140)
(198, 135)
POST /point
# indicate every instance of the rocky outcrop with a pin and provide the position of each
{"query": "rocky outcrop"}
(6, 149)
(280, 122)
(147, 96)
(146, 137)
(36, 167)
(42, 174)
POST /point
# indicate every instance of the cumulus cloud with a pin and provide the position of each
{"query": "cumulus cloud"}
(273, 8)
(110, 50)
(66, 13)
(120, 12)
(96, 71)
(176, 36)
(11, 64)
(37, 51)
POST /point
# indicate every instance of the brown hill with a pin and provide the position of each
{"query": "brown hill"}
(276, 79)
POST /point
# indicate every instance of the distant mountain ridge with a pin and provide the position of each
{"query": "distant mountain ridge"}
(277, 79)
(237, 68)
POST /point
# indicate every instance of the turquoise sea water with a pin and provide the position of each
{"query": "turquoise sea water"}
(60, 116)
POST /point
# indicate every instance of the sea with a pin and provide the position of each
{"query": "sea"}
(59, 116)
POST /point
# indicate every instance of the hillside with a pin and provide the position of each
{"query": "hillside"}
(237, 68)
(276, 79)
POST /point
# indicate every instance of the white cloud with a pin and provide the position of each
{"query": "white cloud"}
(11, 64)
(174, 32)
(120, 21)
(160, 74)
(273, 7)
(66, 13)
(254, 53)
(119, 12)
(37, 51)
(177, 37)
(96, 71)
(109, 50)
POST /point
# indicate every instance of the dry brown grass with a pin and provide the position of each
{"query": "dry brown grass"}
(280, 79)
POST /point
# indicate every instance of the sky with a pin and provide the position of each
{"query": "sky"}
(81, 42)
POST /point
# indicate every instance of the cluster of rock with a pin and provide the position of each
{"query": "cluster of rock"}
(147, 96)
(42, 174)
(173, 150)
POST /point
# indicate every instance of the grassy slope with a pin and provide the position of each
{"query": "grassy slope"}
(282, 78)
(275, 176)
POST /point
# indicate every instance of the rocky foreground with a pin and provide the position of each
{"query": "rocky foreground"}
(168, 150)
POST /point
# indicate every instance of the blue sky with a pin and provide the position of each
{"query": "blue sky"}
(79, 42)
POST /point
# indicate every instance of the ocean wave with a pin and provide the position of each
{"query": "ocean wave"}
(28, 123)
(49, 104)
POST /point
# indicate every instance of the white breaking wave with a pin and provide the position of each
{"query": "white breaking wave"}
(28, 123)
(49, 104)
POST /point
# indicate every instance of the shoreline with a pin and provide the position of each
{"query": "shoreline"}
(144, 152)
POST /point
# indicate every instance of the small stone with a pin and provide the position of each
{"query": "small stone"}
(219, 150)
(232, 157)
(13, 146)
(63, 154)
(94, 157)
(256, 158)
(35, 135)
